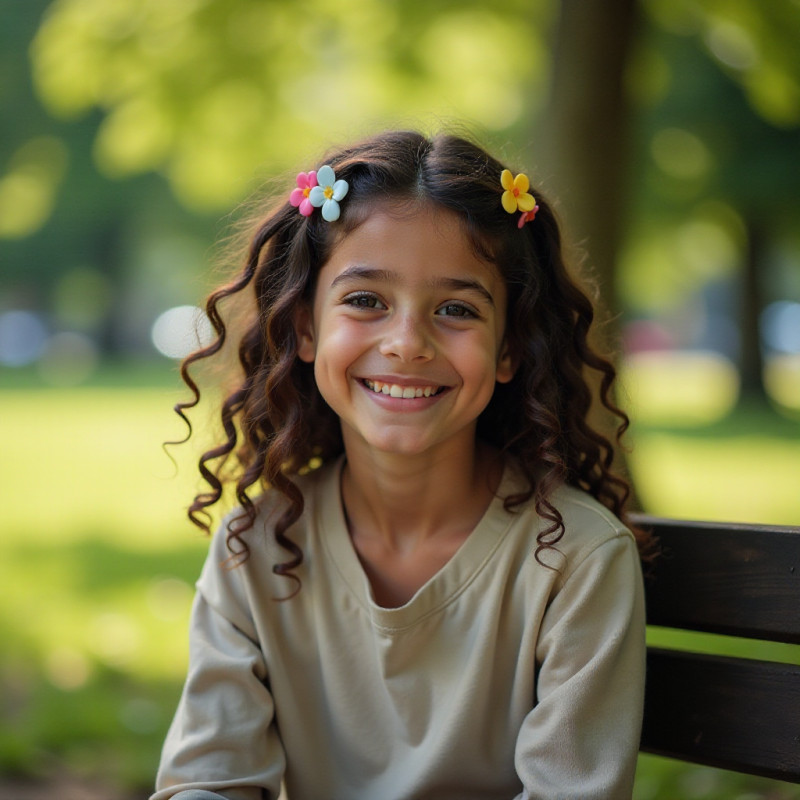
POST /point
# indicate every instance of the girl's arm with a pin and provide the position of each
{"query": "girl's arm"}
(222, 737)
(582, 737)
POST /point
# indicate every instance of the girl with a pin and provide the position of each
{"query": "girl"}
(433, 597)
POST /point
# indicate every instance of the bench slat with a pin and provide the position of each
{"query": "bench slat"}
(740, 580)
(730, 713)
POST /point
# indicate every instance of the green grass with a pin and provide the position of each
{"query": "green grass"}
(97, 563)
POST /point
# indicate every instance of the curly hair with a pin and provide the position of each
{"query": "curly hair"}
(275, 421)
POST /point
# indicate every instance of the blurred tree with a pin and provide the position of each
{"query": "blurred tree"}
(214, 93)
(585, 125)
(68, 234)
(34, 160)
(584, 143)
(200, 96)
(718, 133)
(716, 120)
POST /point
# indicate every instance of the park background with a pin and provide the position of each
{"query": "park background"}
(131, 132)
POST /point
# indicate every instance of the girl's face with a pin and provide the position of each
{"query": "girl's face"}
(406, 333)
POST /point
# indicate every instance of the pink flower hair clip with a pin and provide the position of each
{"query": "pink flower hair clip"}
(306, 181)
(516, 196)
(527, 216)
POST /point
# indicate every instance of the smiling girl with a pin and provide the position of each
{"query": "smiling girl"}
(426, 590)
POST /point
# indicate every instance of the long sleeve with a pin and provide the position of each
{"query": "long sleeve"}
(581, 738)
(223, 736)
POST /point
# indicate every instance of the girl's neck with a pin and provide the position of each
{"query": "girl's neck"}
(405, 502)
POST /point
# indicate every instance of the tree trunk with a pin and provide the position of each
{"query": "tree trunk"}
(584, 131)
(584, 155)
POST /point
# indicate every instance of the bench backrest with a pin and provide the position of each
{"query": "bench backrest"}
(735, 713)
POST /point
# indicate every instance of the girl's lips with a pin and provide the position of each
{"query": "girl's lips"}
(405, 392)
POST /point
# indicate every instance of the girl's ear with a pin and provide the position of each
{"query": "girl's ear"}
(507, 363)
(304, 330)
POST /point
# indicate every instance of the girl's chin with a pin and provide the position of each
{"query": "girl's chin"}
(406, 443)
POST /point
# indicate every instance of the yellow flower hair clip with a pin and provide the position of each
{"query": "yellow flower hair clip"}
(516, 196)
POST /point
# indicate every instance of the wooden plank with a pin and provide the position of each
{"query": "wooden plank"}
(740, 580)
(737, 714)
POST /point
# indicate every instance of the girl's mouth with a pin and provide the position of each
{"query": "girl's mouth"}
(406, 392)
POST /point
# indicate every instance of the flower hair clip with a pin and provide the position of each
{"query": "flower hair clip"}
(319, 190)
(516, 196)
(306, 181)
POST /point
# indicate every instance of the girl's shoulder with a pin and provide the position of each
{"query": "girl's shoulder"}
(317, 487)
(589, 526)
(583, 512)
(255, 550)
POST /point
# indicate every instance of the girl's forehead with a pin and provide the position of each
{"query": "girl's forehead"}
(409, 231)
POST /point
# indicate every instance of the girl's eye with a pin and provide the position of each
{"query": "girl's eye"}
(363, 300)
(455, 310)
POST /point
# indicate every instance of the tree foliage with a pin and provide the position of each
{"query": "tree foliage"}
(754, 42)
(213, 92)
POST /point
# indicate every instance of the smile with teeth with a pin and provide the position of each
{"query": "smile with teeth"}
(406, 392)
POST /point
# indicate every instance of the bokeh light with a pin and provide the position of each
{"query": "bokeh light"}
(69, 358)
(180, 330)
(679, 388)
(680, 153)
(780, 326)
(28, 190)
(23, 338)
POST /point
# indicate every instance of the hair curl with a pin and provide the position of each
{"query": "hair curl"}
(275, 421)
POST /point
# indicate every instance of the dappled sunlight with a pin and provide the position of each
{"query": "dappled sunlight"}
(683, 468)
(29, 188)
(680, 154)
(67, 668)
(782, 379)
(99, 454)
(683, 388)
(744, 479)
(661, 266)
(78, 623)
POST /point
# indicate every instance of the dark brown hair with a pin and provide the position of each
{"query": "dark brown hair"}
(275, 421)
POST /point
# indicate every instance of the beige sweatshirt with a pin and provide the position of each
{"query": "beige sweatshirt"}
(499, 679)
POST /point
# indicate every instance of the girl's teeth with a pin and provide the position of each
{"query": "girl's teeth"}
(405, 392)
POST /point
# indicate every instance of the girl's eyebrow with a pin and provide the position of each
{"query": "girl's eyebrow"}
(385, 276)
(363, 273)
(462, 284)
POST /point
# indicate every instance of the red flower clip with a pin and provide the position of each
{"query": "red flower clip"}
(527, 216)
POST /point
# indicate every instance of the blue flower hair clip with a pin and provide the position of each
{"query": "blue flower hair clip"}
(327, 193)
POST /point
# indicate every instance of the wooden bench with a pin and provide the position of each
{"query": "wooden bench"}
(734, 713)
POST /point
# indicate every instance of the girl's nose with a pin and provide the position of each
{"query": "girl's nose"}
(407, 338)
